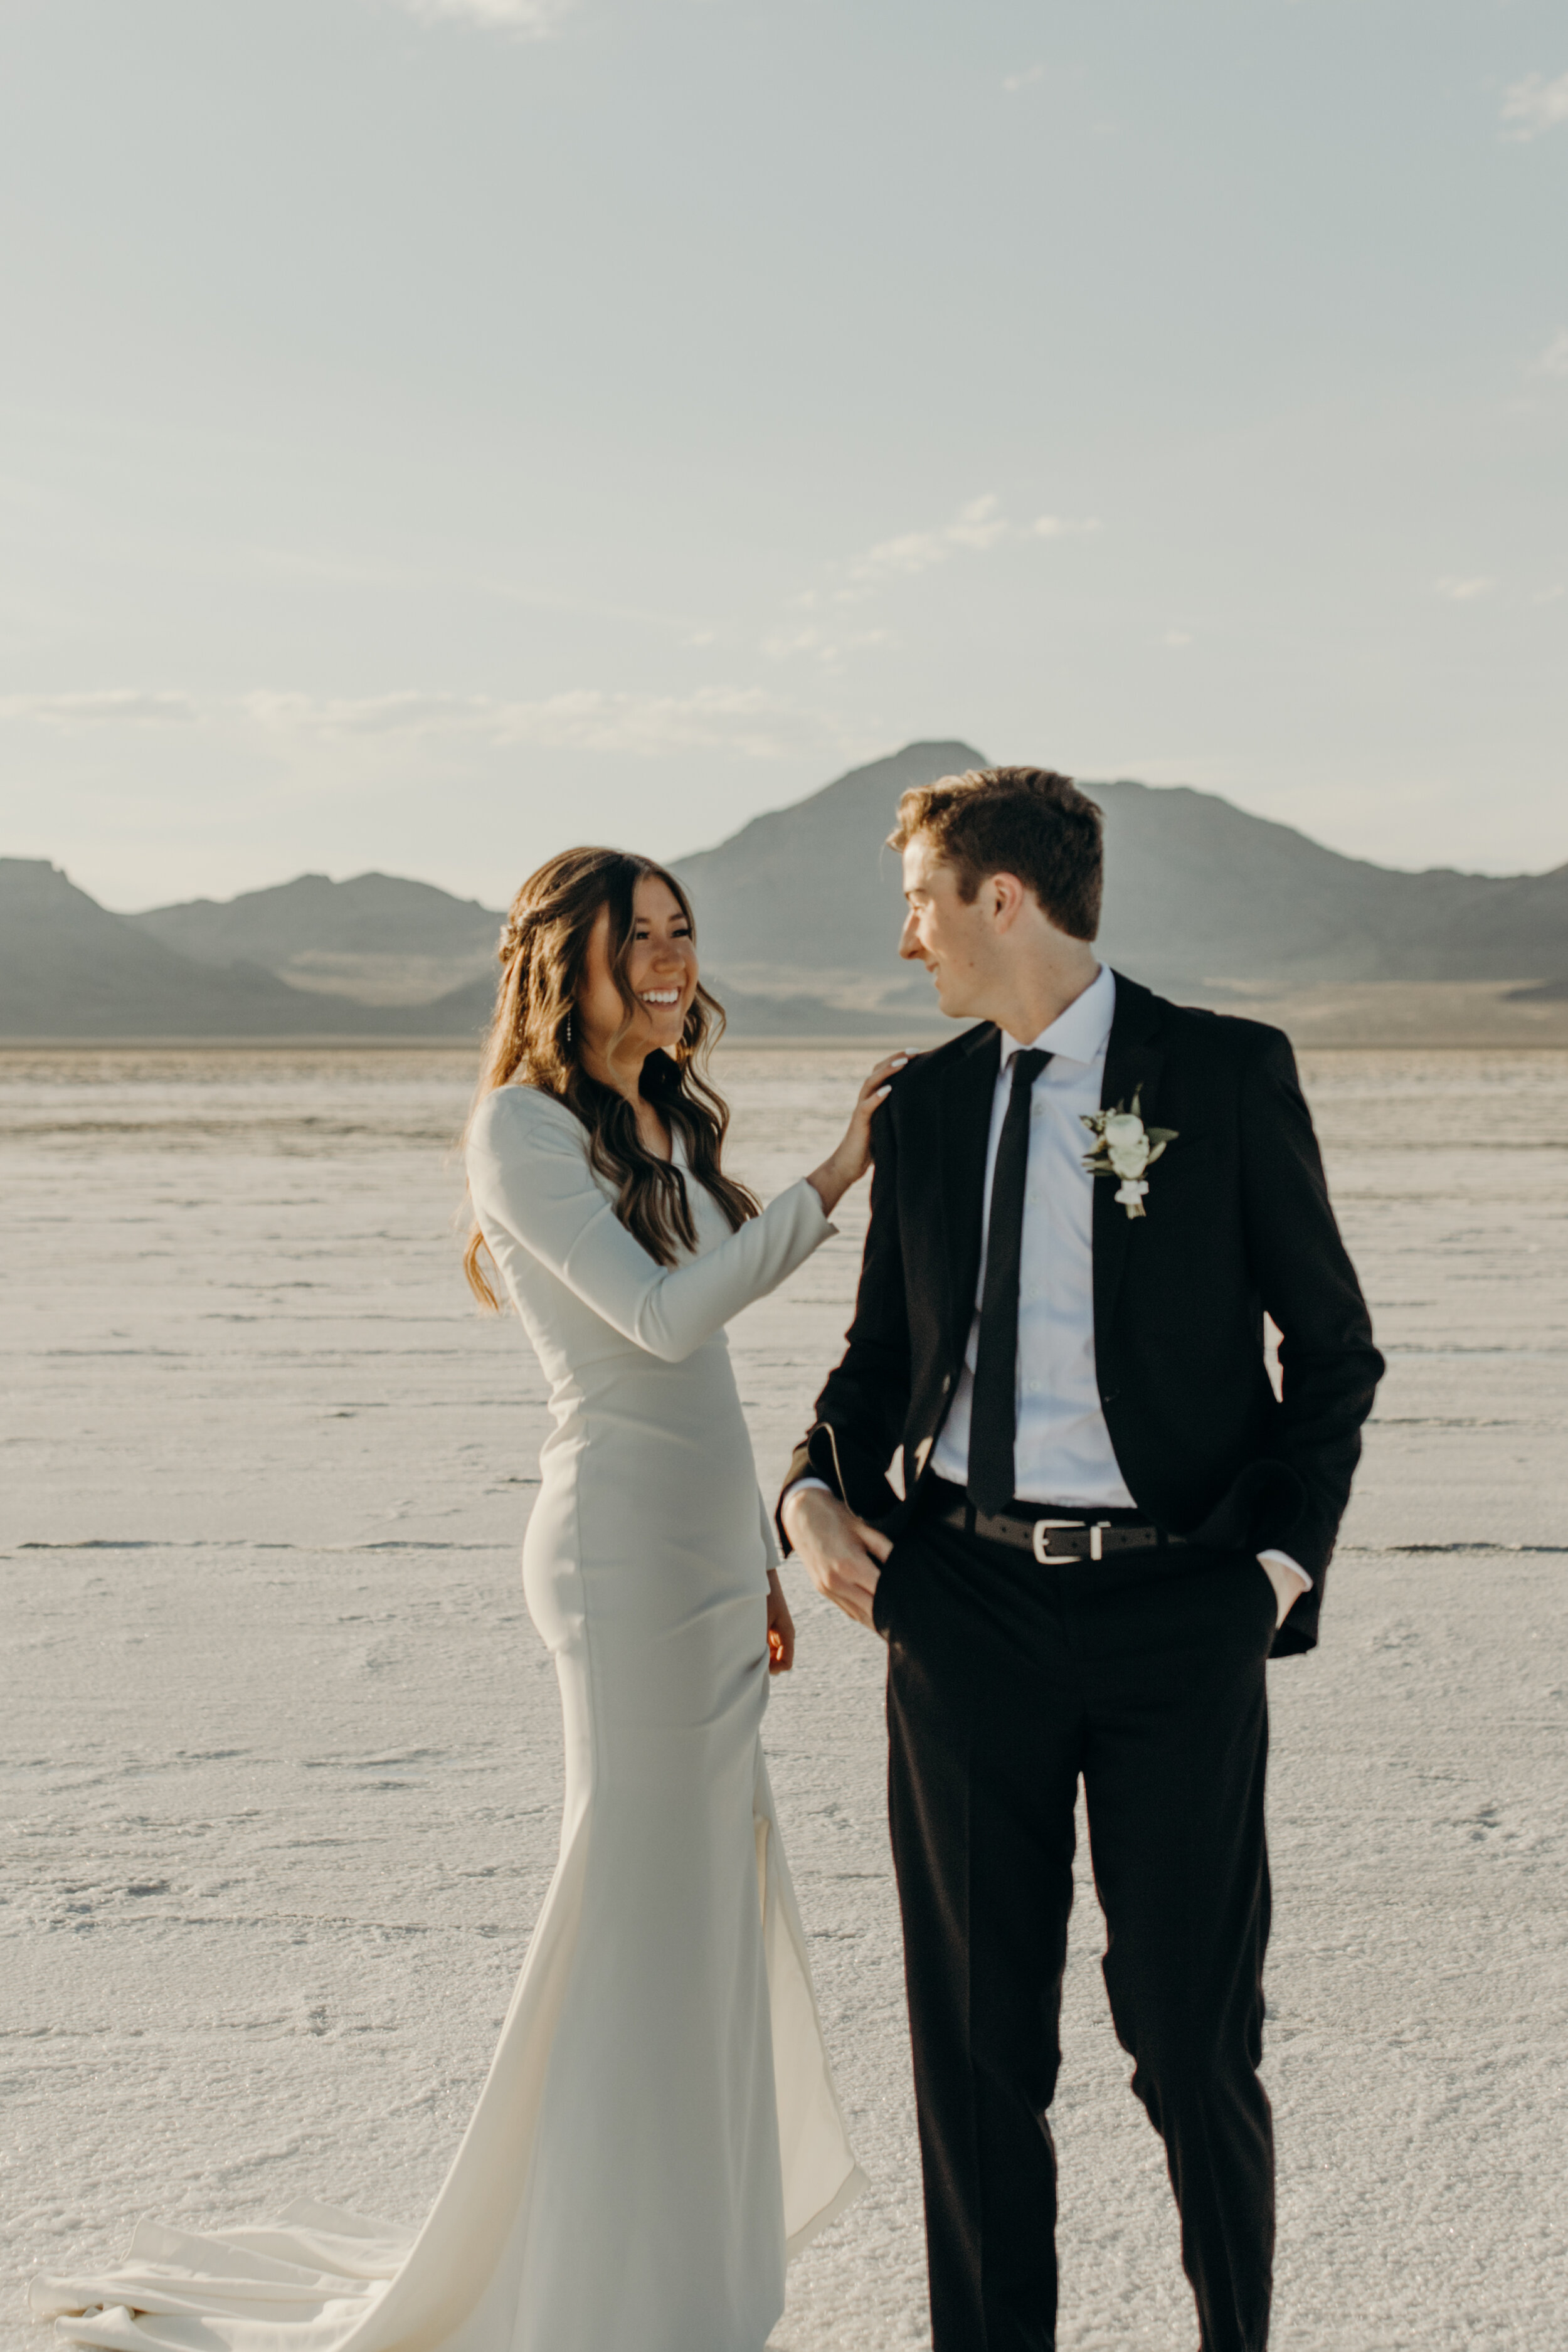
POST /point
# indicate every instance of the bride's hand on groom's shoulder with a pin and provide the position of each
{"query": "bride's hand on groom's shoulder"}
(847, 1164)
(841, 1554)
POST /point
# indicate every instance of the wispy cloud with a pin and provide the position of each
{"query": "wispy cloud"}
(744, 721)
(979, 525)
(1459, 589)
(530, 19)
(1553, 359)
(1024, 80)
(1534, 105)
(111, 706)
(741, 720)
(1063, 526)
(830, 648)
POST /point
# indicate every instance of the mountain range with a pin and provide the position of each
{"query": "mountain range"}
(1199, 895)
(798, 915)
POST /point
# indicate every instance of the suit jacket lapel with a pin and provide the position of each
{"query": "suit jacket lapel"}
(1133, 1065)
(967, 1099)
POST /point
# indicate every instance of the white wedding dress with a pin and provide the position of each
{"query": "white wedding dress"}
(659, 2123)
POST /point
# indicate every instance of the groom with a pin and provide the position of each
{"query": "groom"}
(1108, 1524)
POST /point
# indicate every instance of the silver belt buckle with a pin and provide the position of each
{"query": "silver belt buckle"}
(1037, 1535)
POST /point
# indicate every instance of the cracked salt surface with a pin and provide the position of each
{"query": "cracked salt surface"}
(281, 1752)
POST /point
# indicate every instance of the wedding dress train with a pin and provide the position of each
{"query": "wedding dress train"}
(660, 2125)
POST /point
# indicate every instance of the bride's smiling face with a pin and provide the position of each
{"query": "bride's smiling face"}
(661, 969)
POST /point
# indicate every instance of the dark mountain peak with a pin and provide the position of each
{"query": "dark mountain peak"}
(1198, 892)
(791, 887)
(899, 772)
(875, 787)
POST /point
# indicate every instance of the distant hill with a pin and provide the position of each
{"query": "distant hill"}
(376, 939)
(71, 969)
(798, 914)
(1199, 895)
(808, 892)
(372, 914)
(1198, 892)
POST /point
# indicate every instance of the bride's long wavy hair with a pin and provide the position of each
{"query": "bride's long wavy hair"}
(535, 1038)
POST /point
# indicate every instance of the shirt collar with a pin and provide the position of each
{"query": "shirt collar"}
(1082, 1033)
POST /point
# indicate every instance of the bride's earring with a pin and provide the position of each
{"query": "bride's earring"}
(568, 1029)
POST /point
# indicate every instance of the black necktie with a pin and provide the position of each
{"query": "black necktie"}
(992, 1412)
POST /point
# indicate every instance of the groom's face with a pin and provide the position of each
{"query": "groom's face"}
(956, 942)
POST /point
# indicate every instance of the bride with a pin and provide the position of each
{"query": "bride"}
(660, 2125)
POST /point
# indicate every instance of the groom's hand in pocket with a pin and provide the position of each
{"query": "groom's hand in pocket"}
(1287, 1586)
(843, 1556)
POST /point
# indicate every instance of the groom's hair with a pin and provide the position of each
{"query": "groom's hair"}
(1025, 821)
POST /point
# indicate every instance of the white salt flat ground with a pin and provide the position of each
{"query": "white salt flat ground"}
(279, 1747)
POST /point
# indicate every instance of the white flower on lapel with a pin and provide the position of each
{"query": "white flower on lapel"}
(1126, 1149)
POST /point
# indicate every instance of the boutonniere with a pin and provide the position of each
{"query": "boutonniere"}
(1125, 1148)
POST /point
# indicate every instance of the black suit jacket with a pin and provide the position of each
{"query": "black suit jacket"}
(1237, 1222)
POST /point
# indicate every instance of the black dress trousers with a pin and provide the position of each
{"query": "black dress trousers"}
(1007, 1681)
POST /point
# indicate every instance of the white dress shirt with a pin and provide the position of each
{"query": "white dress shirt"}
(1061, 1451)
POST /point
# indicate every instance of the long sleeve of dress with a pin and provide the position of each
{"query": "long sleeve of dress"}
(529, 1177)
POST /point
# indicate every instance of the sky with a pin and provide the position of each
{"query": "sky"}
(436, 431)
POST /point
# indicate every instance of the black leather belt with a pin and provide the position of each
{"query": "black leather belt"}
(1054, 1541)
